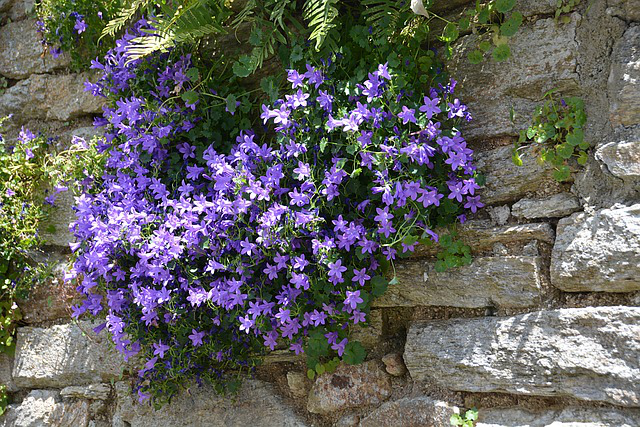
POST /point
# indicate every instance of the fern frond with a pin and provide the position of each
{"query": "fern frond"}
(124, 15)
(383, 16)
(189, 22)
(321, 16)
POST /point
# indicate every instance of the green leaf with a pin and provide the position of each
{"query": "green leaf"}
(378, 286)
(511, 25)
(394, 281)
(231, 103)
(244, 66)
(190, 97)
(311, 374)
(582, 158)
(576, 137)
(464, 24)
(450, 33)
(562, 173)
(515, 157)
(484, 46)
(564, 150)
(476, 56)
(354, 353)
(504, 6)
(193, 74)
(483, 16)
(501, 53)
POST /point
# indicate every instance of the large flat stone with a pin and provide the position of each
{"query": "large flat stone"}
(349, 387)
(584, 353)
(624, 79)
(544, 57)
(556, 206)
(55, 228)
(506, 182)
(510, 282)
(622, 156)
(411, 412)
(49, 97)
(629, 10)
(481, 235)
(6, 367)
(64, 355)
(598, 252)
(21, 52)
(256, 404)
(559, 417)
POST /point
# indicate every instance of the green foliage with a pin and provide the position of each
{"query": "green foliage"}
(59, 27)
(321, 17)
(557, 131)
(563, 7)
(468, 420)
(4, 399)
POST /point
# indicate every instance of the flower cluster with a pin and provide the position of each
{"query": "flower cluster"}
(205, 256)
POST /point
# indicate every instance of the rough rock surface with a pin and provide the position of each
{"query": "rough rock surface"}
(256, 404)
(43, 408)
(21, 52)
(599, 252)
(64, 355)
(507, 182)
(349, 387)
(510, 281)
(481, 235)
(92, 391)
(371, 334)
(585, 353)
(556, 206)
(624, 80)
(411, 412)
(6, 366)
(55, 229)
(543, 57)
(44, 96)
(559, 417)
(629, 10)
(622, 157)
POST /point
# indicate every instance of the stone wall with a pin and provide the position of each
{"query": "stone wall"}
(542, 329)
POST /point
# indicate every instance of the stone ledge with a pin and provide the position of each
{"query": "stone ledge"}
(584, 353)
(508, 282)
(559, 417)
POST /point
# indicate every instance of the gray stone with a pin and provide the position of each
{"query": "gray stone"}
(21, 52)
(539, 7)
(34, 411)
(350, 386)
(598, 252)
(556, 206)
(370, 334)
(64, 355)
(256, 404)
(482, 236)
(507, 182)
(297, 382)
(544, 57)
(6, 366)
(411, 412)
(624, 79)
(584, 353)
(499, 214)
(559, 417)
(21, 9)
(622, 157)
(92, 391)
(70, 414)
(349, 420)
(54, 229)
(509, 282)
(394, 364)
(629, 10)
(44, 96)
(5, 5)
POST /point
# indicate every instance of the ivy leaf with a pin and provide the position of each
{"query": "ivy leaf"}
(193, 74)
(464, 24)
(582, 158)
(575, 138)
(243, 67)
(296, 54)
(354, 353)
(484, 46)
(483, 16)
(501, 53)
(565, 151)
(511, 25)
(504, 6)
(476, 56)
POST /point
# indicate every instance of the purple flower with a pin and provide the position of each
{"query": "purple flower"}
(473, 203)
(353, 299)
(340, 347)
(335, 272)
(430, 106)
(360, 276)
(407, 115)
(160, 349)
(196, 337)
(80, 25)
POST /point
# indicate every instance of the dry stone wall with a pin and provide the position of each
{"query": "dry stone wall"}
(541, 330)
